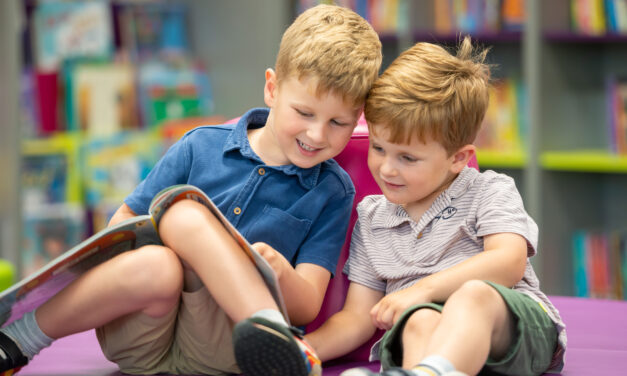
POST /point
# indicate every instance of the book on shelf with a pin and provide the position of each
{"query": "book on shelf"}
(598, 17)
(173, 90)
(113, 166)
(103, 100)
(29, 104)
(504, 128)
(48, 231)
(40, 286)
(478, 16)
(50, 171)
(147, 29)
(600, 264)
(617, 108)
(385, 16)
(64, 29)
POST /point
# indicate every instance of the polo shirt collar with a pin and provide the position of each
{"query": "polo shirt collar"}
(394, 215)
(238, 140)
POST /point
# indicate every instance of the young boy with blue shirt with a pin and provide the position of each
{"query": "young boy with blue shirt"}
(440, 260)
(172, 308)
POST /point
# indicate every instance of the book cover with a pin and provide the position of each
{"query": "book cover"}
(50, 171)
(173, 90)
(104, 98)
(48, 231)
(75, 29)
(113, 166)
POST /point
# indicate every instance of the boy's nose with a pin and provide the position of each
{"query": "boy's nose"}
(387, 167)
(317, 132)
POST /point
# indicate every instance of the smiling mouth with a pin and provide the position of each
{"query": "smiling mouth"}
(306, 147)
(392, 185)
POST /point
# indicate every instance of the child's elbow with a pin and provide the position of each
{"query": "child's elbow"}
(518, 266)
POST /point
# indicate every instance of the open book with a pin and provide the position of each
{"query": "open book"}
(128, 235)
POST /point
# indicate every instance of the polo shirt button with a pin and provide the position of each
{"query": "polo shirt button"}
(262, 171)
(237, 211)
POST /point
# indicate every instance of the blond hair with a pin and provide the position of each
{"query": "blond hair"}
(335, 46)
(428, 93)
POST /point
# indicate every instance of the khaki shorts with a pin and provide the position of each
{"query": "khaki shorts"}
(195, 338)
(531, 350)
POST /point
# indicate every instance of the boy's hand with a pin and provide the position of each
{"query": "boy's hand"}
(274, 258)
(390, 308)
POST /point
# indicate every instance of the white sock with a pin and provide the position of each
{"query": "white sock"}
(433, 365)
(272, 315)
(27, 335)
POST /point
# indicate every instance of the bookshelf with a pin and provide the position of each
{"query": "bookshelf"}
(569, 179)
(65, 153)
(582, 180)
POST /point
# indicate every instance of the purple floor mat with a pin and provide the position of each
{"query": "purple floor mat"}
(597, 345)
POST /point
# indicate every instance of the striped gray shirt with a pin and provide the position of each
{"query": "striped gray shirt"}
(390, 251)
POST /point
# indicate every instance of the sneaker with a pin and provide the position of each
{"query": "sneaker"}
(367, 372)
(265, 348)
(11, 357)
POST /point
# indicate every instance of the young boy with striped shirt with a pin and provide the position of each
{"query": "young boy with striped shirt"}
(441, 259)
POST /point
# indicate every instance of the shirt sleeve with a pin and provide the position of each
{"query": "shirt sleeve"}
(501, 209)
(358, 267)
(171, 169)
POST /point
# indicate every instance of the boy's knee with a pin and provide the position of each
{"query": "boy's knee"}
(476, 293)
(156, 271)
(182, 218)
(422, 321)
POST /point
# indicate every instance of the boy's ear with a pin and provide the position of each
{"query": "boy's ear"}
(270, 87)
(461, 157)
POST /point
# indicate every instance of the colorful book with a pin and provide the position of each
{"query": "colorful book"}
(104, 100)
(579, 264)
(48, 231)
(113, 166)
(50, 170)
(66, 30)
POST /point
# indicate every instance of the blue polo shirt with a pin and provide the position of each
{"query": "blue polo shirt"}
(302, 213)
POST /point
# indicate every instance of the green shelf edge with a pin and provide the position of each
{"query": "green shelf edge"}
(490, 158)
(584, 161)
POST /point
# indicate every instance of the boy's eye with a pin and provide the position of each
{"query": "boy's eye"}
(303, 113)
(336, 122)
(409, 158)
(377, 148)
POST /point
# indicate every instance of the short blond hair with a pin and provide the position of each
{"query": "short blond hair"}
(335, 46)
(430, 94)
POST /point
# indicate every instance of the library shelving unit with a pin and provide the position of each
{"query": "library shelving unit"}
(569, 177)
(582, 183)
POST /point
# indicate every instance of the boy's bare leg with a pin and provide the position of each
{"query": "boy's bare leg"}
(475, 323)
(416, 335)
(119, 286)
(200, 240)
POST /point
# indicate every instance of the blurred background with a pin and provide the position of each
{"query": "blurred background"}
(93, 92)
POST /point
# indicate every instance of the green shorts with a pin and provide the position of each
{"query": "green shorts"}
(531, 350)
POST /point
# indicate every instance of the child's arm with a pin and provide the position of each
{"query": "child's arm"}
(303, 287)
(124, 212)
(349, 328)
(503, 261)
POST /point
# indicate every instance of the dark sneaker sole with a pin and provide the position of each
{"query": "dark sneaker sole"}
(267, 350)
